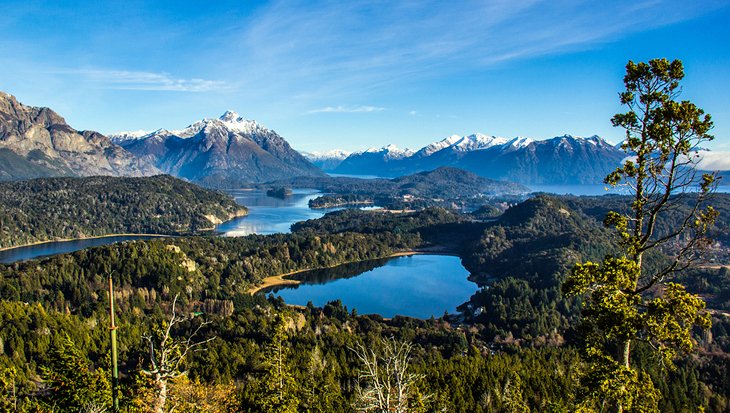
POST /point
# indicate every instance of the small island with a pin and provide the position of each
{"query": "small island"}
(280, 192)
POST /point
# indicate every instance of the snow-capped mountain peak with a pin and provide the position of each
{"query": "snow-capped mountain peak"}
(471, 142)
(440, 145)
(229, 121)
(390, 152)
(338, 154)
(230, 116)
(516, 144)
(127, 136)
(478, 141)
(233, 121)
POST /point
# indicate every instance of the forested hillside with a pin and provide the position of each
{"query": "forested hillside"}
(445, 187)
(58, 208)
(512, 346)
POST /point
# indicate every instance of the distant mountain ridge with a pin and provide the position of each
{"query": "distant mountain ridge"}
(327, 160)
(225, 152)
(560, 160)
(37, 142)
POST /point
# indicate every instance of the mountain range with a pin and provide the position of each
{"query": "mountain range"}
(225, 152)
(37, 142)
(560, 160)
(230, 151)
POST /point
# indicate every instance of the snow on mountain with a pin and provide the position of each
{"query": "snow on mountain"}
(518, 143)
(561, 159)
(223, 151)
(335, 154)
(233, 121)
(327, 160)
(389, 152)
(473, 142)
(438, 146)
(126, 136)
(478, 141)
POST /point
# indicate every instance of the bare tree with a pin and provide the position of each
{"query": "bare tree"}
(384, 383)
(167, 354)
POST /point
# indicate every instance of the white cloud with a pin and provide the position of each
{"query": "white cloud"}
(714, 161)
(346, 109)
(140, 80)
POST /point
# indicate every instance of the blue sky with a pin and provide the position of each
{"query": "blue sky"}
(352, 75)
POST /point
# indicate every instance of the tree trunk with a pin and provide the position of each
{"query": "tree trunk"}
(159, 405)
(624, 352)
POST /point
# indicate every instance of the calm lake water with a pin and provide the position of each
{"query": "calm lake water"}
(266, 215)
(269, 215)
(62, 247)
(417, 286)
(595, 189)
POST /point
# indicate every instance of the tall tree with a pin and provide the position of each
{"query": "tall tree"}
(73, 385)
(167, 354)
(627, 299)
(276, 391)
(384, 381)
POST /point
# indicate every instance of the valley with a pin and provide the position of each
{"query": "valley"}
(493, 260)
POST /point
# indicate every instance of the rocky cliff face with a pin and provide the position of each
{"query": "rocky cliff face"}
(37, 142)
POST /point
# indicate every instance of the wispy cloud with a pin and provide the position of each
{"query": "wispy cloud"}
(350, 48)
(140, 80)
(346, 109)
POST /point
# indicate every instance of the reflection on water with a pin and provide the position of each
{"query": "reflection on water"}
(417, 286)
(269, 215)
(325, 275)
(62, 247)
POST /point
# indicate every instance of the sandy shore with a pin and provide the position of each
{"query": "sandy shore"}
(281, 279)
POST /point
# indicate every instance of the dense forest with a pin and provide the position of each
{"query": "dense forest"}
(513, 347)
(445, 187)
(61, 208)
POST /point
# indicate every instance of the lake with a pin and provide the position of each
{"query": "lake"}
(269, 215)
(418, 286)
(62, 247)
(593, 189)
(266, 215)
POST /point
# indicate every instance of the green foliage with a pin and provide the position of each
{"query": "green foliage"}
(443, 187)
(276, 391)
(58, 208)
(521, 258)
(627, 299)
(73, 384)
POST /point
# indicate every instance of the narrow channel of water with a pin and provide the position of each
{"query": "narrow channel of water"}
(267, 215)
(62, 247)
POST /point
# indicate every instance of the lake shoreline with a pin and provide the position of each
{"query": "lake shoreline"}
(280, 279)
(33, 244)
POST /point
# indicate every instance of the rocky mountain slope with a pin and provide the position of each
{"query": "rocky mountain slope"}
(225, 152)
(560, 160)
(37, 142)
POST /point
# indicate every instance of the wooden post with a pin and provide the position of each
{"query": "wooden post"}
(113, 329)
